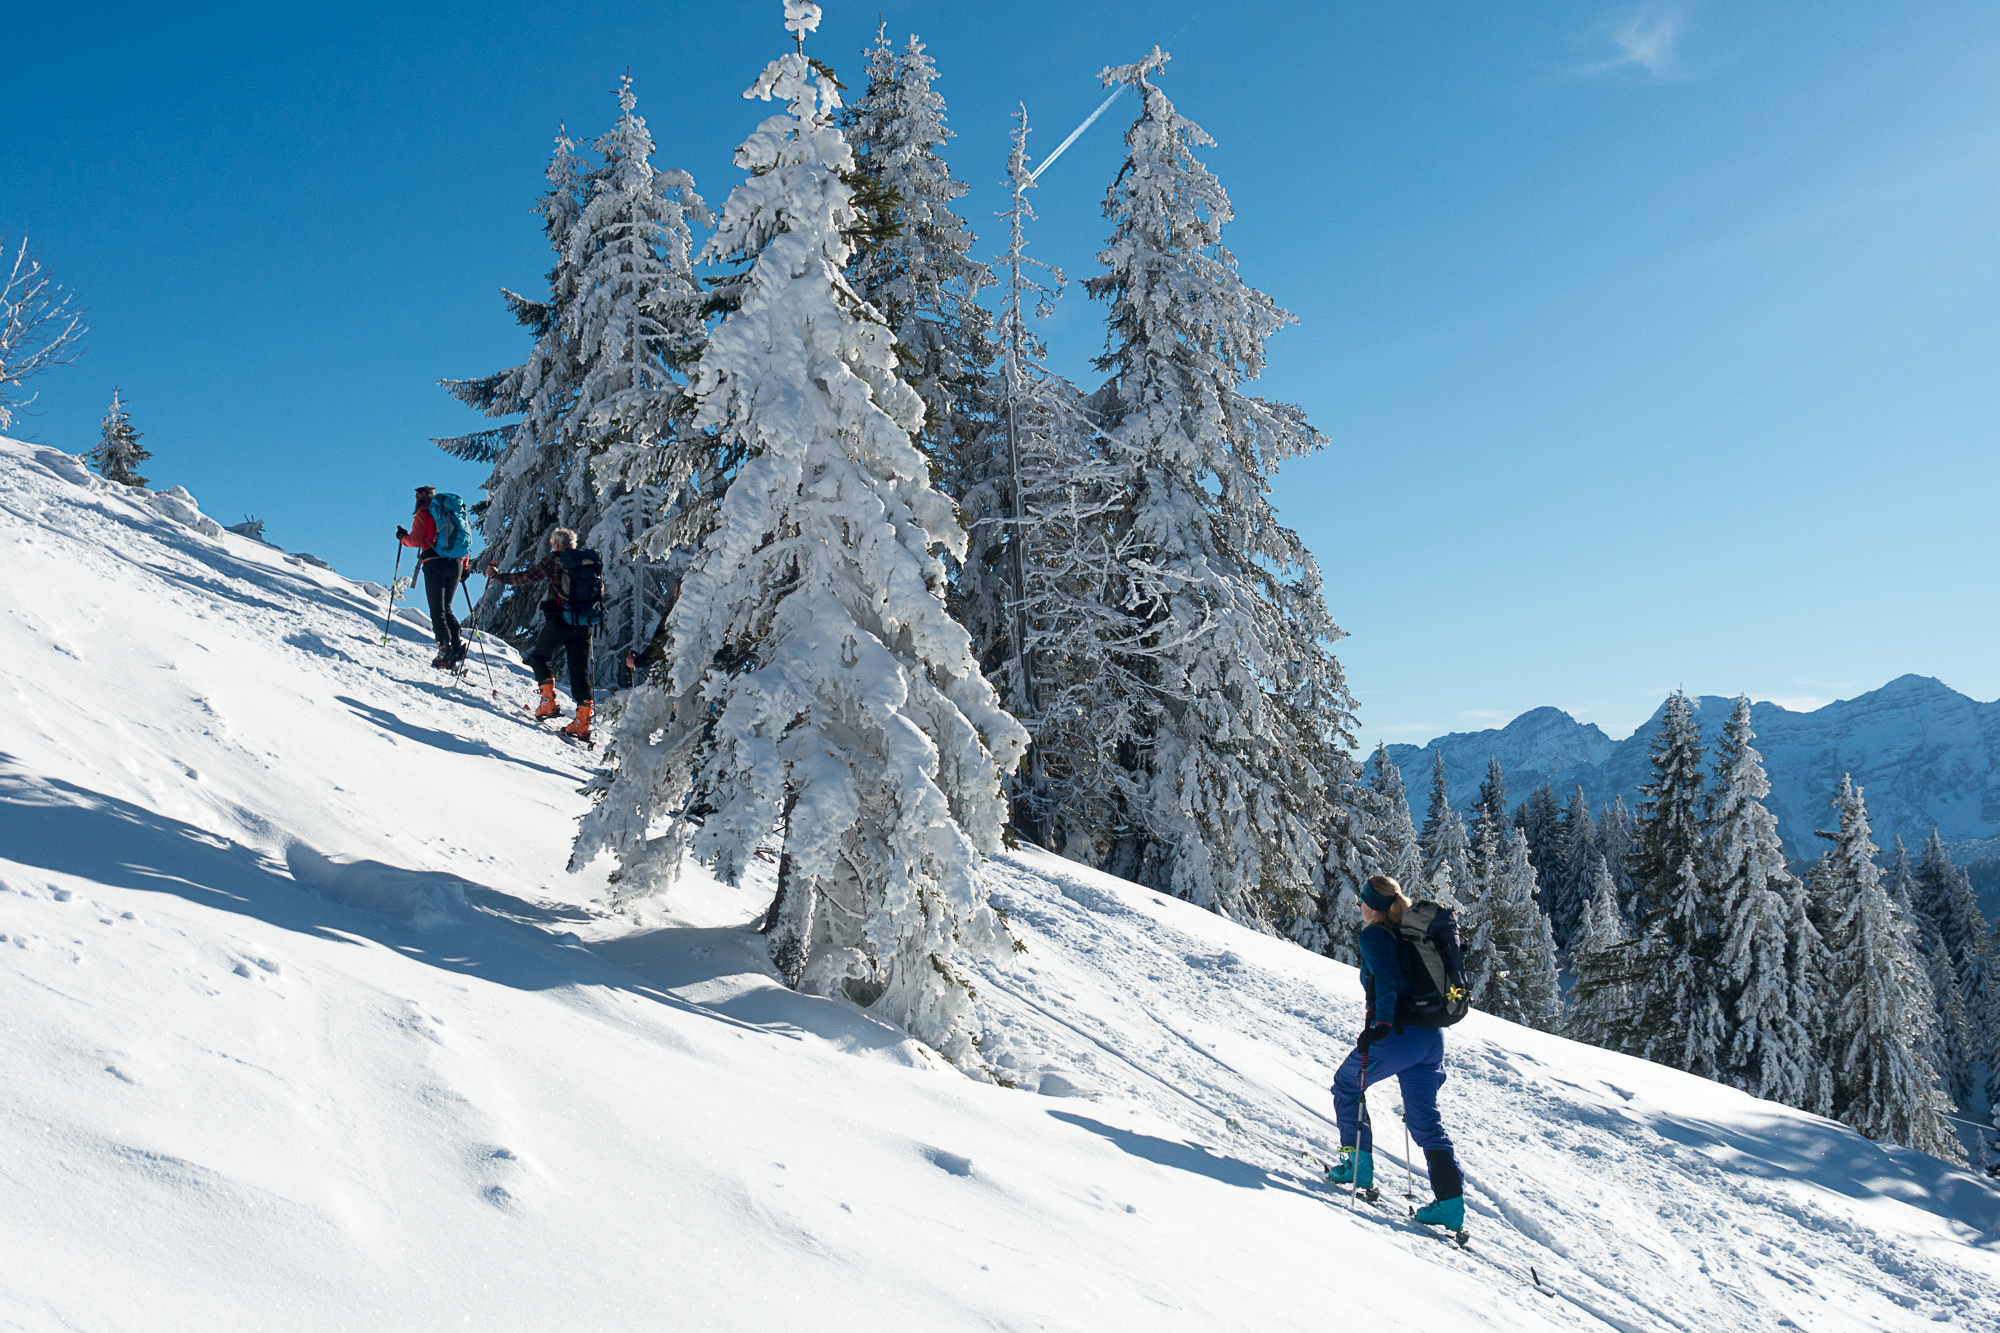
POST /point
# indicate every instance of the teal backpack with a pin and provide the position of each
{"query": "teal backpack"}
(454, 538)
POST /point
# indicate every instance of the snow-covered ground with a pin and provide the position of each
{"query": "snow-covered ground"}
(305, 1028)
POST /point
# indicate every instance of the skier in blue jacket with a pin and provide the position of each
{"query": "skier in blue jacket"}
(1415, 1055)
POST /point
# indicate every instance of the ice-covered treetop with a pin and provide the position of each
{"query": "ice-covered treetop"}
(795, 162)
(801, 17)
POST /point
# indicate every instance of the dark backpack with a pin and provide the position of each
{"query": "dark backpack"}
(1427, 947)
(454, 539)
(580, 586)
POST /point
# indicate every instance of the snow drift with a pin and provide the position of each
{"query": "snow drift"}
(305, 1029)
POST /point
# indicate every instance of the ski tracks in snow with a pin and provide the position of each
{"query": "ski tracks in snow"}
(1581, 1188)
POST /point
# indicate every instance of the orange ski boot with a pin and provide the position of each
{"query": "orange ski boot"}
(548, 707)
(580, 729)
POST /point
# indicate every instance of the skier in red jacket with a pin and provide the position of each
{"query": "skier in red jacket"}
(441, 579)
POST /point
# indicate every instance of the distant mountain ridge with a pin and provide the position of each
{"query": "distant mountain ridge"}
(1927, 756)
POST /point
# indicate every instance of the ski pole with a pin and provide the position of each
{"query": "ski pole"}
(469, 614)
(393, 580)
(1364, 1140)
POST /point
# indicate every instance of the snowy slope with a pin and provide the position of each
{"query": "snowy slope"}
(305, 1029)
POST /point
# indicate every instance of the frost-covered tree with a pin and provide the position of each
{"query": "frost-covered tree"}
(1402, 853)
(118, 452)
(1447, 849)
(1681, 1004)
(1952, 938)
(41, 326)
(1567, 886)
(1617, 840)
(1771, 1052)
(1540, 818)
(1513, 967)
(1883, 1085)
(1602, 960)
(815, 684)
(921, 275)
(638, 332)
(1670, 817)
(529, 493)
(1235, 727)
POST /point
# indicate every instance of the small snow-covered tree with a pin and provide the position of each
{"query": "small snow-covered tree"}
(1771, 1052)
(1883, 1085)
(1402, 853)
(1670, 816)
(1601, 957)
(118, 452)
(1960, 962)
(1617, 840)
(1574, 878)
(1517, 977)
(638, 327)
(1540, 818)
(1447, 849)
(815, 683)
(921, 274)
(1235, 748)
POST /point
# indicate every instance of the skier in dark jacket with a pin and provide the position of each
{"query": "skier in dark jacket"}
(558, 634)
(441, 579)
(1415, 1055)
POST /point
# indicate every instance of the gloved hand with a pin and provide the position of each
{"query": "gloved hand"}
(492, 568)
(402, 533)
(1370, 1035)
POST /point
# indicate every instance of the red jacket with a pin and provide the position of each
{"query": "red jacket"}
(423, 533)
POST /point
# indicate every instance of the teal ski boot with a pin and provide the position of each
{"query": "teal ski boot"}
(1355, 1168)
(1446, 1213)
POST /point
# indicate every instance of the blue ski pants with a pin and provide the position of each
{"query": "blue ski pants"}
(1415, 1057)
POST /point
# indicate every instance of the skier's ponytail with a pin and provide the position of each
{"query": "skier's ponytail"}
(1383, 894)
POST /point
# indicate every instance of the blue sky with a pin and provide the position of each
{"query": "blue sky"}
(1657, 345)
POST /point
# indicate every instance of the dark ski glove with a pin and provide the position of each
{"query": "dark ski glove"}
(1369, 1036)
(402, 533)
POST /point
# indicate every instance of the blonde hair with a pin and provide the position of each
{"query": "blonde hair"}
(564, 538)
(1387, 886)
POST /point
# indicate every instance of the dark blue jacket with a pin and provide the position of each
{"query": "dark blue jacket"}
(1382, 974)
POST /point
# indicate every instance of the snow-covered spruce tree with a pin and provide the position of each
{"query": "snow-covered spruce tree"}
(1603, 963)
(1882, 1084)
(1540, 818)
(1950, 1036)
(118, 452)
(1481, 917)
(1447, 849)
(1945, 902)
(529, 492)
(1771, 1052)
(1807, 918)
(638, 332)
(1567, 888)
(1670, 817)
(1617, 840)
(1520, 976)
(1236, 739)
(1402, 854)
(815, 683)
(921, 274)
(1680, 1007)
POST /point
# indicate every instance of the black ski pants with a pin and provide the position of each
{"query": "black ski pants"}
(441, 585)
(573, 642)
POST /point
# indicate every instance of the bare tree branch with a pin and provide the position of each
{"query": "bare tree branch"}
(41, 326)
